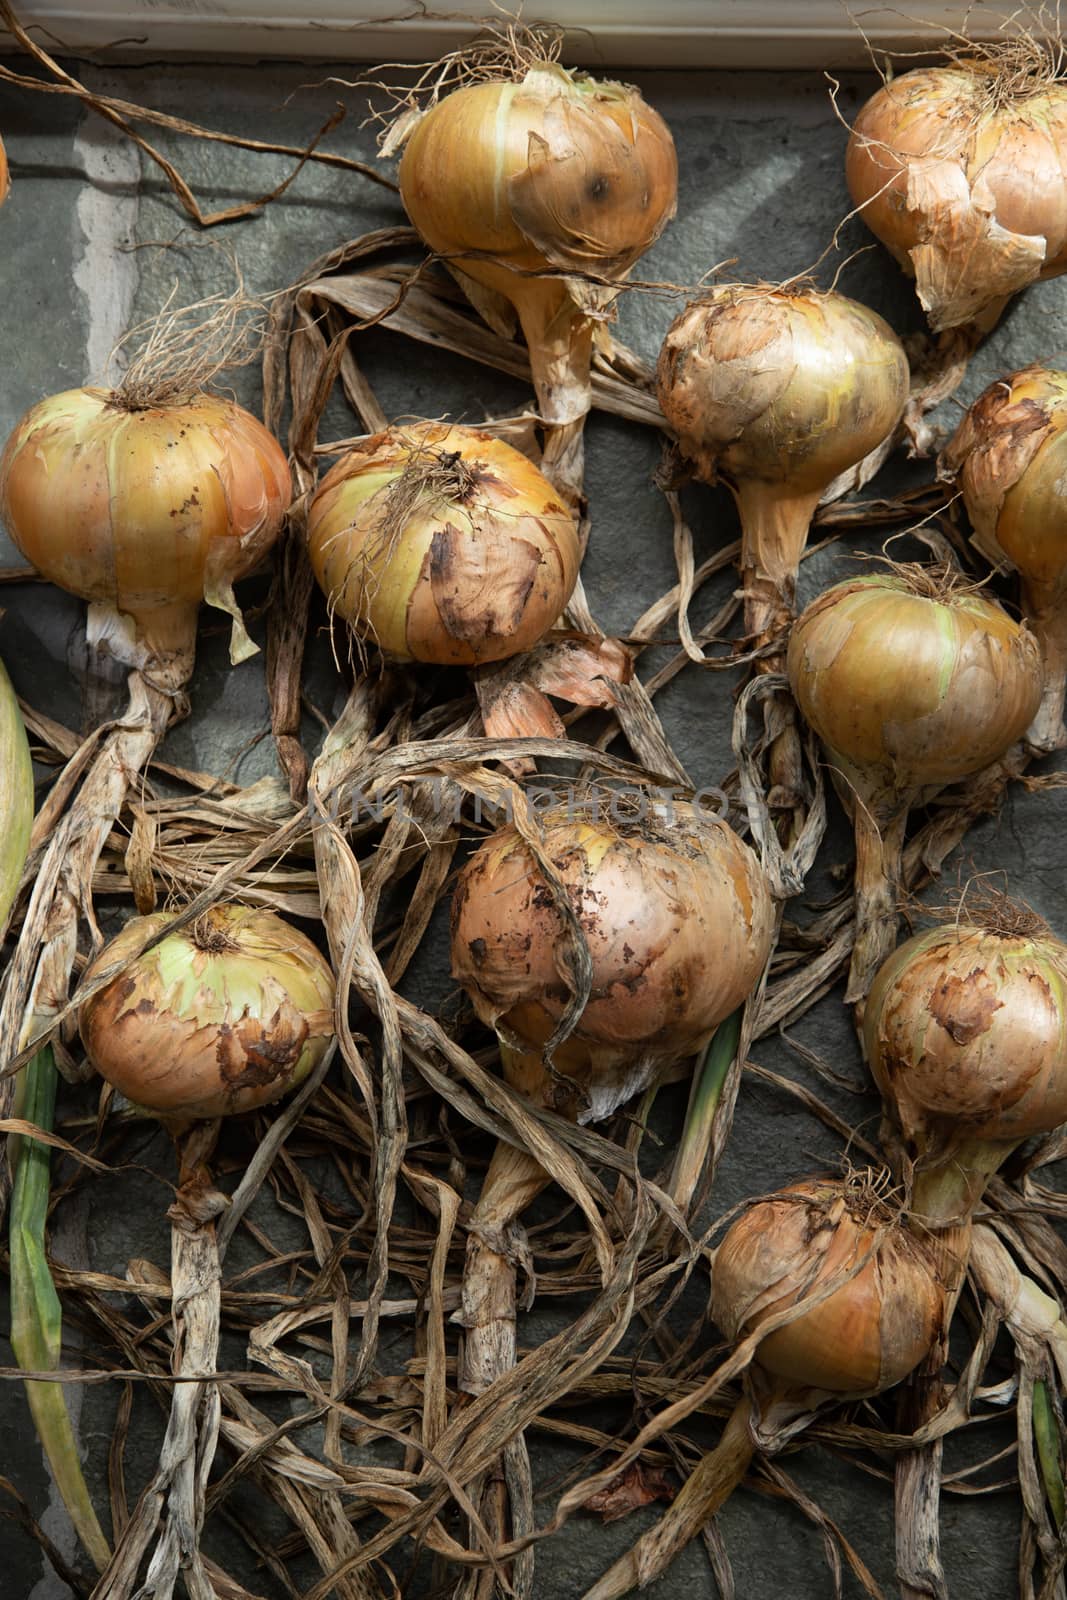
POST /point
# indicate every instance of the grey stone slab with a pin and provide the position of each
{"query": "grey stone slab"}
(761, 185)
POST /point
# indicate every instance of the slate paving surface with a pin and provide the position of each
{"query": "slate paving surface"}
(761, 182)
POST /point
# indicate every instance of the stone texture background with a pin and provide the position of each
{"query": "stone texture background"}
(761, 183)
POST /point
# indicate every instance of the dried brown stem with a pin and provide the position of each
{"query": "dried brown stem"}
(1047, 732)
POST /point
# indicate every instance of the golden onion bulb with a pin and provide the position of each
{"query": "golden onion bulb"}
(542, 171)
(868, 1333)
(962, 174)
(1009, 457)
(145, 510)
(965, 1030)
(221, 1016)
(442, 544)
(678, 921)
(778, 392)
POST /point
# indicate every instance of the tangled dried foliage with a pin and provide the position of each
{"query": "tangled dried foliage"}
(350, 1206)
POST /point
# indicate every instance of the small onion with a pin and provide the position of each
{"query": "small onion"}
(912, 681)
(146, 509)
(961, 171)
(866, 1335)
(221, 1016)
(678, 921)
(1009, 456)
(537, 186)
(965, 1030)
(778, 392)
(443, 544)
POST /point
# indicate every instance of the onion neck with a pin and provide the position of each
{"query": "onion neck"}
(1049, 623)
(879, 852)
(169, 635)
(946, 1195)
(559, 336)
(708, 1487)
(774, 529)
(512, 1181)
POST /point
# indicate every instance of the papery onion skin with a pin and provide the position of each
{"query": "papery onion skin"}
(965, 1030)
(866, 1335)
(1009, 457)
(678, 921)
(143, 510)
(222, 1016)
(966, 187)
(912, 691)
(551, 174)
(778, 392)
(479, 569)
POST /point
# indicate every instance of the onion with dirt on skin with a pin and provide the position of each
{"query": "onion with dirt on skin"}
(912, 680)
(851, 1301)
(961, 172)
(1009, 457)
(541, 188)
(778, 391)
(442, 544)
(221, 1016)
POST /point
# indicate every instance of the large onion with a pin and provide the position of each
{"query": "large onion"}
(443, 544)
(146, 509)
(912, 681)
(677, 918)
(1009, 456)
(541, 188)
(221, 1016)
(778, 392)
(960, 172)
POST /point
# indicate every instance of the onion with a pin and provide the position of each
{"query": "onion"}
(677, 917)
(541, 188)
(1009, 456)
(221, 1016)
(778, 392)
(912, 681)
(862, 1337)
(16, 796)
(965, 1029)
(443, 544)
(961, 171)
(146, 507)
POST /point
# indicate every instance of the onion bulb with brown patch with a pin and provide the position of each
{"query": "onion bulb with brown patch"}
(223, 1015)
(912, 680)
(777, 392)
(961, 172)
(541, 188)
(877, 1308)
(676, 915)
(442, 544)
(146, 506)
(965, 1030)
(1009, 457)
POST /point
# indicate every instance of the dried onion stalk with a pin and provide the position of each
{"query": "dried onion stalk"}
(912, 680)
(442, 544)
(1009, 456)
(16, 796)
(961, 172)
(877, 1306)
(541, 188)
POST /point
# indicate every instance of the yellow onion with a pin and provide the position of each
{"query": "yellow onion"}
(443, 544)
(965, 1030)
(867, 1334)
(223, 1015)
(541, 188)
(961, 172)
(146, 509)
(777, 392)
(912, 681)
(677, 918)
(1009, 456)
(16, 795)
